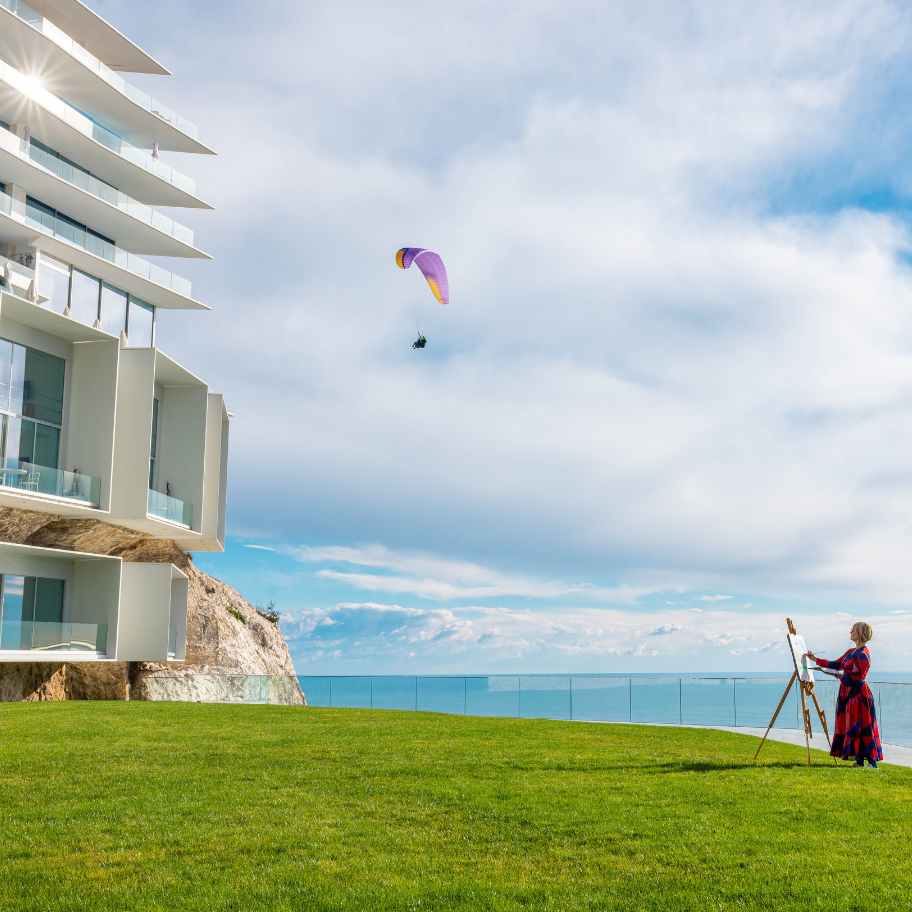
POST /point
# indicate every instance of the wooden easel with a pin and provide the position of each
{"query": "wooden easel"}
(807, 690)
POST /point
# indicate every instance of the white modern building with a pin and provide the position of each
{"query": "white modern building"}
(95, 421)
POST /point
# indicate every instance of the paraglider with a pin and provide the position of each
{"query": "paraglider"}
(431, 267)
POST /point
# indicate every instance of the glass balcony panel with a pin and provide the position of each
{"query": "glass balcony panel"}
(492, 696)
(45, 636)
(544, 698)
(170, 508)
(172, 641)
(28, 477)
(58, 227)
(447, 695)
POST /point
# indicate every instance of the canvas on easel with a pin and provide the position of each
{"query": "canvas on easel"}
(805, 677)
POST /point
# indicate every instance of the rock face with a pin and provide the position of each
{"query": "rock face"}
(221, 648)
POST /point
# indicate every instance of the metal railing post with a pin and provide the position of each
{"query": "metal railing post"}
(680, 701)
(465, 696)
(571, 699)
(416, 693)
(372, 691)
(330, 690)
(630, 704)
(735, 698)
(519, 698)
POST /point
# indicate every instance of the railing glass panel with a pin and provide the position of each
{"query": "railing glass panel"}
(45, 636)
(170, 508)
(106, 192)
(172, 641)
(29, 478)
(57, 227)
(61, 39)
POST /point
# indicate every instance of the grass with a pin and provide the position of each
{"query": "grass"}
(147, 806)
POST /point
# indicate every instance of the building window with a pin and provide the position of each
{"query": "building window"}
(141, 324)
(154, 443)
(31, 408)
(28, 603)
(90, 299)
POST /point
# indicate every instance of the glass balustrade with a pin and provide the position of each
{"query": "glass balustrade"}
(170, 508)
(734, 702)
(17, 269)
(61, 39)
(56, 227)
(91, 184)
(47, 636)
(37, 479)
(172, 641)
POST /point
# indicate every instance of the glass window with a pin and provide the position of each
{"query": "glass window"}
(6, 364)
(47, 446)
(139, 329)
(43, 386)
(13, 608)
(113, 310)
(84, 298)
(24, 433)
(154, 442)
(48, 600)
(53, 284)
(17, 379)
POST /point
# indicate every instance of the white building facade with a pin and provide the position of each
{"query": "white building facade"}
(95, 421)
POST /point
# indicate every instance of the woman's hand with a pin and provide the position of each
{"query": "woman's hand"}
(811, 656)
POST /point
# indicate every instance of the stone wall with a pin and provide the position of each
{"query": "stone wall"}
(218, 642)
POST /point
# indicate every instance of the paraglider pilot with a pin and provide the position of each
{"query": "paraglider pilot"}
(420, 343)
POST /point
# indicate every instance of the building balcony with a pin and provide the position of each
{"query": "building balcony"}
(83, 196)
(60, 126)
(162, 506)
(110, 263)
(41, 50)
(47, 636)
(70, 606)
(30, 480)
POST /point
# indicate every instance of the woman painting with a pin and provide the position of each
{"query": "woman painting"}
(856, 732)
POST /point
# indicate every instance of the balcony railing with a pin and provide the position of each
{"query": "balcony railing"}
(26, 477)
(48, 636)
(172, 642)
(78, 237)
(85, 125)
(165, 507)
(60, 38)
(105, 192)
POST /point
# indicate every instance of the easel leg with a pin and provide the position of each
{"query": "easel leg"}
(805, 717)
(822, 720)
(776, 713)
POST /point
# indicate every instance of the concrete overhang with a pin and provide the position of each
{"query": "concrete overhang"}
(64, 75)
(129, 232)
(53, 324)
(100, 38)
(59, 127)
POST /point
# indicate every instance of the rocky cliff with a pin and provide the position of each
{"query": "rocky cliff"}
(220, 644)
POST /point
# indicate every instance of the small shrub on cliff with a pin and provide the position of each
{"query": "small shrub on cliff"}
(270, 612)
(238, 615)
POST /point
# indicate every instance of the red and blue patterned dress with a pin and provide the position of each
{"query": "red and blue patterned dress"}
(856, 732)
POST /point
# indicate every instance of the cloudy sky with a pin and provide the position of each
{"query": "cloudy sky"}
(671, 399)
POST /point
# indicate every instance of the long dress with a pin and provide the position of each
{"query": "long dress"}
(856, 732)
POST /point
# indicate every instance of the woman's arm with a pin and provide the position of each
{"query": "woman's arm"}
(825, 663)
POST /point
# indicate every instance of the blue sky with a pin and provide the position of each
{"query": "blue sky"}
(670, 400)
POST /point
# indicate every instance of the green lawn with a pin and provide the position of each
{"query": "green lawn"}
(182, 806)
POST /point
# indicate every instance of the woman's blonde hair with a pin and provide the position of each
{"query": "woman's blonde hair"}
(864, 631)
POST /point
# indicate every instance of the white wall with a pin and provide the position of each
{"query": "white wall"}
(96, 594)
(215, 481)
(133, 434)
(145, 613)
(180, 593)
(181, 457)
(91, 420)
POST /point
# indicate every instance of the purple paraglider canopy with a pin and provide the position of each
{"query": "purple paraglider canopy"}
(431, 267)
